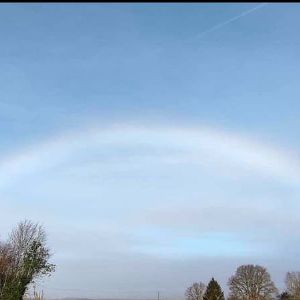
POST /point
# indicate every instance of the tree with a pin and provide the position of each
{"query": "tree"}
(251, 283)
(195, 291)
(292, 281)
(284, 296)
(6, 264)
(23, 259)
(213, 291)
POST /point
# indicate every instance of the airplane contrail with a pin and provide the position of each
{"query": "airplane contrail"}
(220, 25)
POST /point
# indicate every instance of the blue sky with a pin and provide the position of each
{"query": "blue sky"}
(157, 143)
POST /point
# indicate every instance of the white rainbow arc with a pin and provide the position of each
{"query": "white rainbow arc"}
(198, 144)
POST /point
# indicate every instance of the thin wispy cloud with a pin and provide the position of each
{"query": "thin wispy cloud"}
(222, 24)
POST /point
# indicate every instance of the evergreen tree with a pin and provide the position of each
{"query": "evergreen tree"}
(213, 291)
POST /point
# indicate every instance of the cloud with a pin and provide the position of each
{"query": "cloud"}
(141, 276)
(240, 216)
(170, 227)
(177, 244)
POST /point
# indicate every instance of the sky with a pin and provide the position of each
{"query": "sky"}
(158, 144)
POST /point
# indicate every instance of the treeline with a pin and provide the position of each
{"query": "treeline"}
(250, 282)
(23, 259)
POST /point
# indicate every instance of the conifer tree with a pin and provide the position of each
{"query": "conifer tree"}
(213, 291)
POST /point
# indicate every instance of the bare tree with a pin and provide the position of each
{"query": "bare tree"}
(22, 237)
(251, 283)
(195, 291)
(284, 296)
(292, 281)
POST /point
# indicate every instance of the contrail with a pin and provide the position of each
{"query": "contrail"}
(220, 25)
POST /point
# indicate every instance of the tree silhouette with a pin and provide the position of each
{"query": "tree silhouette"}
(251, 282)
(213, 291)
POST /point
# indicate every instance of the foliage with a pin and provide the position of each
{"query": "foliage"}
(23, 259)
(213, 291)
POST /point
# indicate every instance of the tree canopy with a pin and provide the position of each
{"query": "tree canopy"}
(195, 291)
(213, 291)
(251, 282)
(23, 259)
